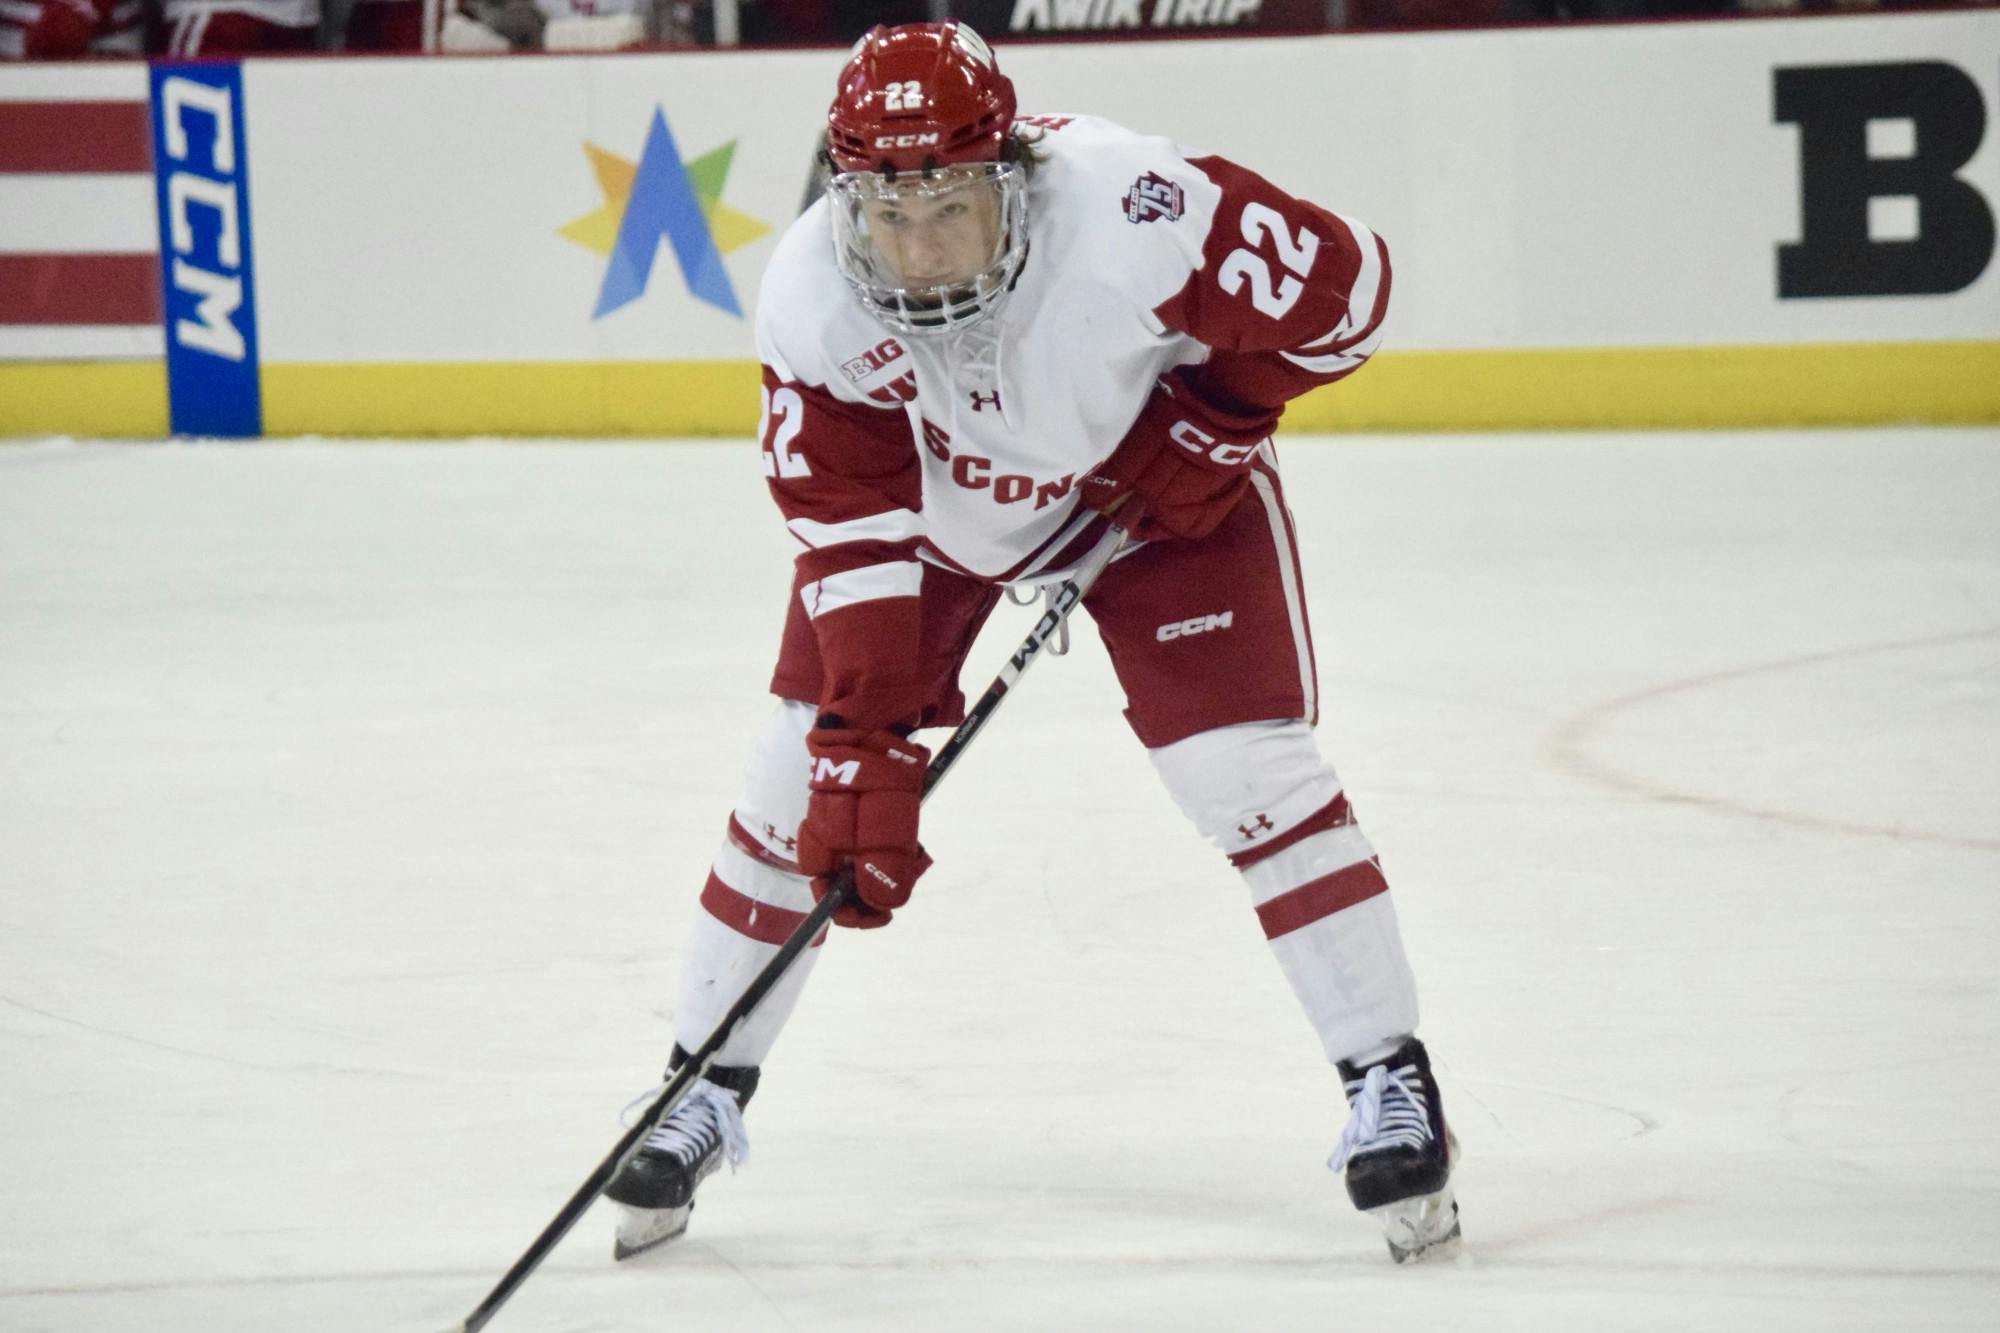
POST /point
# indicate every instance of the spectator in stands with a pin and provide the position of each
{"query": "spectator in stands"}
(555, 25)
(826, 20)
(67, 29)
(1611, 9)
(791, 22)
(239, 27)
(494, 25)
(1468, 13)
(381, 25)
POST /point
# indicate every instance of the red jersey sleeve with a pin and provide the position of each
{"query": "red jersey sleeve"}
(1289, 296)
(847, 480)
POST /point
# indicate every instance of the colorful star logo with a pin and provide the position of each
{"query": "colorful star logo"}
(663, 197)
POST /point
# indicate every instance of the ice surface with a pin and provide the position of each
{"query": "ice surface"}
(354, 799)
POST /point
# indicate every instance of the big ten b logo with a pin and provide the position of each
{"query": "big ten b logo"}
(871, 363)
(875, 359)
(1883, 208)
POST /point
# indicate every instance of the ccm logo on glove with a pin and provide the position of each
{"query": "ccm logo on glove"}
(828, 771)
(846, 773)
(1198, 441)
(1183, 465)
(862, 817)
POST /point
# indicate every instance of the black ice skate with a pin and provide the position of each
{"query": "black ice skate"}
(656, 1187)
(1399, 1153)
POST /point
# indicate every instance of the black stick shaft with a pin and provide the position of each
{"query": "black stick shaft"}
(677, 1087)
(1067, 595)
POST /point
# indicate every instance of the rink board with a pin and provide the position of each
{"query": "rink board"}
(1624, 388)
(1589, 226)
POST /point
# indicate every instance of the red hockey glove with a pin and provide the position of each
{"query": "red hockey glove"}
(863, 812)
(1181, 468)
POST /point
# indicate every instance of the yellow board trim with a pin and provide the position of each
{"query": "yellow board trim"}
(582, 398)
(93, 399)
(1644, 388)
(1636, 388)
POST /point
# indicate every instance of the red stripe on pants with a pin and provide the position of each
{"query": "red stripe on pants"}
(1308, 903)
(746, 916)
(75, 136)
(79, 289)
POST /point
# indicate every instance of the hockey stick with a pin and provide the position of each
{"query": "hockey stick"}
(1067, 595)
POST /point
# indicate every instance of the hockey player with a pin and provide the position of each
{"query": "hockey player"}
(992, 338)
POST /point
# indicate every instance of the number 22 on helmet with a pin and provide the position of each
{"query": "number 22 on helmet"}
(929, 214)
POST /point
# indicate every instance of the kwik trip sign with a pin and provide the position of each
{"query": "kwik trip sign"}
(1884, 210)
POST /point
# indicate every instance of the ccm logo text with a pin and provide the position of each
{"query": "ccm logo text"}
(1198, 441)
(1181, 629)
(844, 773)
(207, 184)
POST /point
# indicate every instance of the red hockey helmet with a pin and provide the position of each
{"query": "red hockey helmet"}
(919, 96)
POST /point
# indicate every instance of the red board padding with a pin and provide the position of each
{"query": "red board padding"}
(74, 137)
(79, 289)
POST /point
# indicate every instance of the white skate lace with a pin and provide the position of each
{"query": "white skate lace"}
(707, 1114)
(1388, 1113)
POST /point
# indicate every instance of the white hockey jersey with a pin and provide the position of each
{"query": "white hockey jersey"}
(964, 448)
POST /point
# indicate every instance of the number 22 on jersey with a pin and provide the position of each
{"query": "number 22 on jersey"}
(1245, 266)
(783, 417)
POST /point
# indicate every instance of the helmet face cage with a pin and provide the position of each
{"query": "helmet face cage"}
(976, 213)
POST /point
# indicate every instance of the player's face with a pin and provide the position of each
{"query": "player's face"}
(931, 250)
(933, 238)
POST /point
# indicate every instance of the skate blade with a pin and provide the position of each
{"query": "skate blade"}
(642, 1229)
(1420, 1229)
